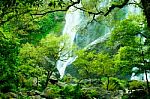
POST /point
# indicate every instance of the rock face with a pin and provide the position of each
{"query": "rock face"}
(91, 31)
(90, 34)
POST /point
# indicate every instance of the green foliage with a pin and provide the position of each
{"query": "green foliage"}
(24, 66)
(90, 6)
(9, 47)
(92, 64)
(36, 60)
(126, 59)
(114, 84)
(36, 55)
(52, 91)
(133, 85)
(32, 30)
(127, 39)
(68, 91)
(125, 33)
(32, 60)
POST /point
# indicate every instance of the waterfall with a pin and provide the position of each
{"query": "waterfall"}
(73, 22)
(140, 77)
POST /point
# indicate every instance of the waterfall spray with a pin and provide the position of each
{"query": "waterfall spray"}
(73, 20)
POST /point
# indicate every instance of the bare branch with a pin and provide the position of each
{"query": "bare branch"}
(116, 6)
(51, 11)
(73, 3)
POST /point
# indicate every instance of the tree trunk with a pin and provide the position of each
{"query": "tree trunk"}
(47, 79)
(37, 82)
(107, 83)
(146, 10)
(147, 83)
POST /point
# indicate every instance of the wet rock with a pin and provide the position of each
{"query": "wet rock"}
(11, 95)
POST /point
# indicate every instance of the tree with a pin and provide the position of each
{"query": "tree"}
(9, 48)
(19, 27)
(13, 8)
(95, 65)
(85, 64)
(106, 66)
(132, 46)
(45, 55)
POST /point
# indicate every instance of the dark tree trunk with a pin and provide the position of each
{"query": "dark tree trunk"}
(49, 73)
(146, 10)
(37, 81)
(147, 83)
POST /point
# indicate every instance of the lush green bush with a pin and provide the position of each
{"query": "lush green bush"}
(133, 85)
(52, 91)
(114, 84)
(8, 62)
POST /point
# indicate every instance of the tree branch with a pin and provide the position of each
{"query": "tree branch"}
(58, 10)
(11, 17)
(116, 6)
(51, 11)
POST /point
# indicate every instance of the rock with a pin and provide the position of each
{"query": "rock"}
(45, 93)
(36, 92)
(37, 97)
(30, 93)
(53, 79)
(31, 97)
(35, 82)
(11, 95)
(20, 93)
(61, 84)
(118, 94)
(33, 92)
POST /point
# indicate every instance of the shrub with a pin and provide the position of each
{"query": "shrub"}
(114, 84)
(133, 85)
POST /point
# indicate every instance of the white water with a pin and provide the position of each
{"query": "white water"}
(73, 20)
(140, 77)
(98, 40)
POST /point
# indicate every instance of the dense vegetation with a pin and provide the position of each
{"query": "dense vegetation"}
(30, 46)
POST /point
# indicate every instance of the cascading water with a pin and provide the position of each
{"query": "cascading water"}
(75, 19)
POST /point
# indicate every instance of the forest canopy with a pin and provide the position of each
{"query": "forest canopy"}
(32, 42)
